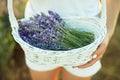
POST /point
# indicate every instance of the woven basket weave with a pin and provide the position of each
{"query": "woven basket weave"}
(74, 57)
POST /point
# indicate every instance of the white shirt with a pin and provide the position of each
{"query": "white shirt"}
(65, 8)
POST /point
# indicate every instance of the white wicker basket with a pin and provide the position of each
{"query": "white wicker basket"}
(74, 57)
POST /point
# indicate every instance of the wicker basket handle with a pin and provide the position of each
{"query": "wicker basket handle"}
(14, 23)
(104, 12)
(12, 18)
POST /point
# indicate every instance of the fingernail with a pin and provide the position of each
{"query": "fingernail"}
(94, 56)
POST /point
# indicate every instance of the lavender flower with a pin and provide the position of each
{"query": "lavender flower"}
(51, 32)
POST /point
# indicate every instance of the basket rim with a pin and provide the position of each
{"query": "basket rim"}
(36, 48)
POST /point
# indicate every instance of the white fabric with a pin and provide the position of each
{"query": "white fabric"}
(65, 8)
(38, 67)
(86, 72)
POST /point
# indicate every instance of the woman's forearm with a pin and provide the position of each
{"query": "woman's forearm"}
(113, 9)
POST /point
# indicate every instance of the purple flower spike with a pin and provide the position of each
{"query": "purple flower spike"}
(41, 31)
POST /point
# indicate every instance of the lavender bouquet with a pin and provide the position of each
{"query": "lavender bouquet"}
(50, 32)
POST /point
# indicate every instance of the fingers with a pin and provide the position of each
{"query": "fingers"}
(101, 50)
(90, 63)
(97, 55)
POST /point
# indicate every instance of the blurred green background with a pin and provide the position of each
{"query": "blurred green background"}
(12, 63)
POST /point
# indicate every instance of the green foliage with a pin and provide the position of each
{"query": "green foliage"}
(6, 41)
(74, 38)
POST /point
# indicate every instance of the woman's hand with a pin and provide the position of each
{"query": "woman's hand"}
(97, 55)
(113, 10)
